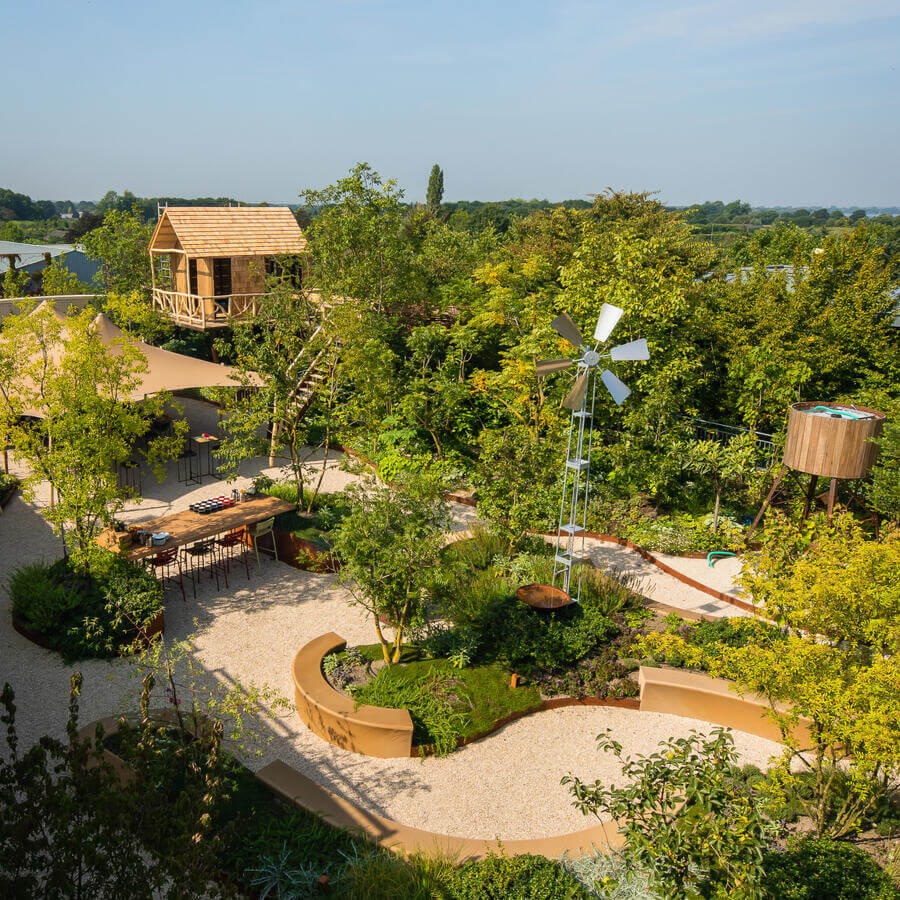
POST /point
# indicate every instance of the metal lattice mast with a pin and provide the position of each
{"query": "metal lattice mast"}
(581, 399)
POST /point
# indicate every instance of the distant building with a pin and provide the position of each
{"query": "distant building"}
(32, 259)
(209, 263)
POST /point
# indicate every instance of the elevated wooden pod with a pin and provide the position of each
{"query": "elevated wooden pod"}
(833, 447)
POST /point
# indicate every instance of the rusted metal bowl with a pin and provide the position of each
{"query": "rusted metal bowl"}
(543, 596)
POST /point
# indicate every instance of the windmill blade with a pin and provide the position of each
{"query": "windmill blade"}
(617, 389)
(564, 326)
(546, 366)
(606, 321)
(633, 350)
(575, 398)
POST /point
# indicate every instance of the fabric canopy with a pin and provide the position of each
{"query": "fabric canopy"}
(165, 371)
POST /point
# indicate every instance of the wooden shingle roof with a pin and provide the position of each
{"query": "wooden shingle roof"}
(228, 231)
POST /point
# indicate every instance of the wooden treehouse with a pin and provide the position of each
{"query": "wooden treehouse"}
(209, 264)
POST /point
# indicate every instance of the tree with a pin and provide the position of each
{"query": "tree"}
(273, 351)
(58, 281)
(120, 246)
(515, 482)
(833, 686)
(64, 411)
(435, 189)
(389, 546)
(15, 282)
(357, 246)
(884, 493)
(685, 815)
(724, 464)
(65, 821)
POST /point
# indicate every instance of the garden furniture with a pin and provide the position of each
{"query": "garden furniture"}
(229, 547)
(199, 555)
(263, 529)
(163, 563)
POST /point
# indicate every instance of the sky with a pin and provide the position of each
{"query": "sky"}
(775, 102)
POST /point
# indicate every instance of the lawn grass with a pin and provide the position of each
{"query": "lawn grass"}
(445, 703)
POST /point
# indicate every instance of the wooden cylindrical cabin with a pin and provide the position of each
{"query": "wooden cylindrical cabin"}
(832, 440)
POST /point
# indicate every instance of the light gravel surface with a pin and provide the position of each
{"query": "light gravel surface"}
(506, 785)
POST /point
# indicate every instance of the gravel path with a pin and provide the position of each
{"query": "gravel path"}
(250, 633)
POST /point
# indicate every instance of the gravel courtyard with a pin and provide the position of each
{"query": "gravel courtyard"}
(250, 633)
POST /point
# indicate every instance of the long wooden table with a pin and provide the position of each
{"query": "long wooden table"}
(187, 527)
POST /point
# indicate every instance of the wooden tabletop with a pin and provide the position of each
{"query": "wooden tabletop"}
(187, 527)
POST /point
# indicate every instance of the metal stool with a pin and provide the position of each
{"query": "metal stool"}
(166, 559)
(228, 549)
(195, 556)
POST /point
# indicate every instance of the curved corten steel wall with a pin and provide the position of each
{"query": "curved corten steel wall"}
(713, 700)
(334, 717)
(833, 448)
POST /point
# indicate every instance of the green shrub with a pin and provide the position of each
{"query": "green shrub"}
(428, 697)
(327, 512)
(7, 483)
(821, 869)
(523, 877)
(85, 614)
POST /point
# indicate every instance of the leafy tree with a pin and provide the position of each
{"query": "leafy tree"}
(58, 281)
(685, 814)
(120, 246)
(273, 350)
(435, 189)
(131, 312)
(11, 231)
(837, 717)
(726, 465)
(884, 493)
(390, 545)
(357, 247)
(65, 822)
(516, 482)
(833, 687)
(15, 282)
(64, 411)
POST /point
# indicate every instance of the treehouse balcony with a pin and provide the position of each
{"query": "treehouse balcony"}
(205, 312)
(209, 264)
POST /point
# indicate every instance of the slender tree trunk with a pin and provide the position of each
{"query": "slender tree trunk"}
(716, 510)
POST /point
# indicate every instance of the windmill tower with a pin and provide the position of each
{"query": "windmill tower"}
(581, 399)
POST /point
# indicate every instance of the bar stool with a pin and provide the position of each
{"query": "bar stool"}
(266, 527)
(167, 560)
(196, 558)
(229, 546)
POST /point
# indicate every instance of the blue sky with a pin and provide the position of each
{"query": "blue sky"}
(791, 102)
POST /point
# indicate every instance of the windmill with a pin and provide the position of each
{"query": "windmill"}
(580, 400)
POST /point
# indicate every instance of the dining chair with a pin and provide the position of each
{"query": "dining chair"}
(198, 556)
(261, 529)
(229, 546)
(163, 563)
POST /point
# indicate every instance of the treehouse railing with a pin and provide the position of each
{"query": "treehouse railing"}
(197, 311)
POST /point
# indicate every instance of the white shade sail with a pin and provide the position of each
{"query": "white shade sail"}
(165, 371)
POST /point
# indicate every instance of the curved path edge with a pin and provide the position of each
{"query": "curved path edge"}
(295, 788)
(387, 733)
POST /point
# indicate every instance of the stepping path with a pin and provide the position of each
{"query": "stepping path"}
(652, 582)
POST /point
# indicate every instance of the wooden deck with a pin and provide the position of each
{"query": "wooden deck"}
(187, 527)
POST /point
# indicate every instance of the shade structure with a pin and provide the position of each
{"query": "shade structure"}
(165, 370)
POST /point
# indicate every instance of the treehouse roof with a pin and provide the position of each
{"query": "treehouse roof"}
(228, 231)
